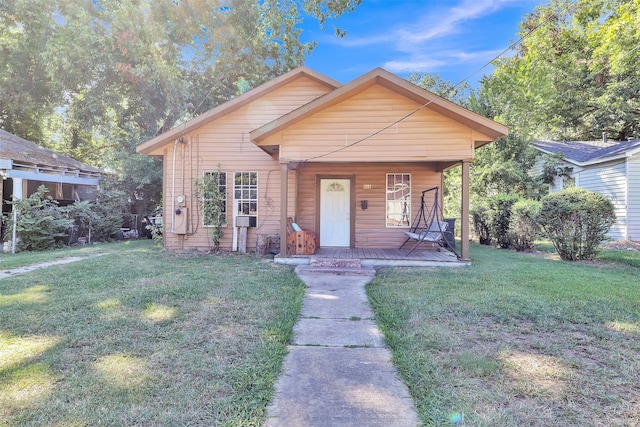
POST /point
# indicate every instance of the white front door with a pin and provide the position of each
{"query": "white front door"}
(335, 212)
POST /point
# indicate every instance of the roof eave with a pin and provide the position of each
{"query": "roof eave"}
(584, 163)
(177, 132)
(405, 88)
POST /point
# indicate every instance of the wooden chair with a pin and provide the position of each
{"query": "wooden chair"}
(300, 242)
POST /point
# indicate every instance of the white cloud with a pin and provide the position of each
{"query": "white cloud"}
(420, 65)
(421, 45)
(443, 22)
(438, 22)
(436, 60)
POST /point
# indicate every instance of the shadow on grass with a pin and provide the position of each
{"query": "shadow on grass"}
(515, 340)
(146, 338)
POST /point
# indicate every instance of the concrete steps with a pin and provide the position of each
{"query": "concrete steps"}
(342, 267)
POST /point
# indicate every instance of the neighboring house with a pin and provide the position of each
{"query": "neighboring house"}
(26, 166)
(346, 161)
(611, 168)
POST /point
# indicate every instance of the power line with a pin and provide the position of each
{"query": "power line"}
(513, 45)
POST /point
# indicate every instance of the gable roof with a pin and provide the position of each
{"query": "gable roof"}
(401, 86)
(20, 150)
(589, 152)
(234, 104)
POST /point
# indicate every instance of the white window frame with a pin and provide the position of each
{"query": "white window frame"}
(398, 200)
(245, 194)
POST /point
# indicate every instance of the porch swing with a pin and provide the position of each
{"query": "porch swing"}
(429, 226)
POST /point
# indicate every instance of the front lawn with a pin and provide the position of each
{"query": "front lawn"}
(516, 339)
(143, 337)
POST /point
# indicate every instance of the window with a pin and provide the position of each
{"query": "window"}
(245, 194)
(398, 200)
(214, 186)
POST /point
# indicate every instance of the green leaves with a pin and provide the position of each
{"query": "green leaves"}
(576, 221)
(93, 79)
(575, 74)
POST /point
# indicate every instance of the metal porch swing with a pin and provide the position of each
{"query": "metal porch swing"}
(429, 226)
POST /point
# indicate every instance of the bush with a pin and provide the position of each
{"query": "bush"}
(41, 223)
(108, 221)
(523, 227)
(576, 221)
(482, 223)
(501, 218)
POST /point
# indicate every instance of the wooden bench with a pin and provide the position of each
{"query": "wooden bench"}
(300, 242)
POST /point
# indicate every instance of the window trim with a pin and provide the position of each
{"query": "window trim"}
(407, 198)
(246, 187)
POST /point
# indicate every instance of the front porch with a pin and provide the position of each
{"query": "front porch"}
(380, 257)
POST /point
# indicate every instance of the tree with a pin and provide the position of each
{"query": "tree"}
(573, 76)
(575, 73)
(444, 88)
(93, 79)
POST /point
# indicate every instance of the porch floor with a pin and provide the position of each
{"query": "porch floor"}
(381, 257)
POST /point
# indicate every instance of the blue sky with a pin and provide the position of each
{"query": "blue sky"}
(451, 38)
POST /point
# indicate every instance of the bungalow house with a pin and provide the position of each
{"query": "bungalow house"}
(348, 162)
(611, 168)
(25, 166)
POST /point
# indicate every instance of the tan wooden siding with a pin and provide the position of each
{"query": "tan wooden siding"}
(425, 135)
(225, 142)
(371, 230)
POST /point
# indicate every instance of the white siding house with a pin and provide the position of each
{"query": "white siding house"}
(611, 168)
(633, 196)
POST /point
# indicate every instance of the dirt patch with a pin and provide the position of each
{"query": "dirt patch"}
(621, 245)
(529, 372)
(29, 268)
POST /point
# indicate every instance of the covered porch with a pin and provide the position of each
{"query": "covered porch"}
(354, 163)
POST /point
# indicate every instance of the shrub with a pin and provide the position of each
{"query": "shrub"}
(523, 227)
(109, 209)
(576, 221)
(108, 220)
(41, 223)
(501, 218)
(481, 224)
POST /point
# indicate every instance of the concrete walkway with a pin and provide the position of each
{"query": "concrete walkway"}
(338, 371)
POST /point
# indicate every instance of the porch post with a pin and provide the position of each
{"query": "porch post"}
(17, 195)
(284, 187)
(464, 230)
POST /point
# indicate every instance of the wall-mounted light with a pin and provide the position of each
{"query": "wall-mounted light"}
(364, 204)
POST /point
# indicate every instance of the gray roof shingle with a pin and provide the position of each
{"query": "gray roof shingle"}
(14, 148)
(588, 151)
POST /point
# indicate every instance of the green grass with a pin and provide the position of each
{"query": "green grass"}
(9, 261)
(617, 256)
(143, 337)
(627, 257)
(516, 339)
